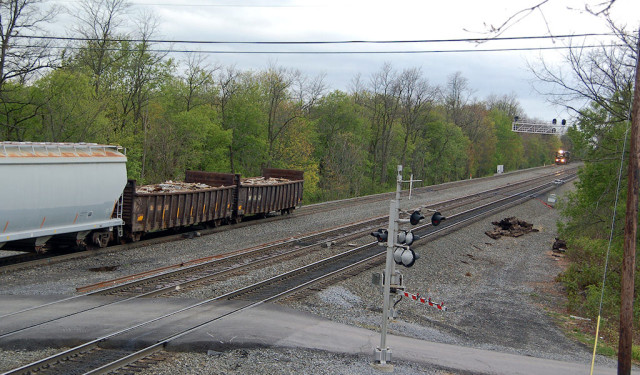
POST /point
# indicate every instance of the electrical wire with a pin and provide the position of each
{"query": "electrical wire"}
(420, 41)
(337, 52)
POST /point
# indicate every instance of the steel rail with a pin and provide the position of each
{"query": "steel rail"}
(161, 344)
(304, 210)
(510, 200)
(198, 266)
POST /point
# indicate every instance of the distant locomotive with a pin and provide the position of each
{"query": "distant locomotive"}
(78, 193)
(563, 157)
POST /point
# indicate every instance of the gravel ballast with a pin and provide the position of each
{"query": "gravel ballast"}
(498, 292)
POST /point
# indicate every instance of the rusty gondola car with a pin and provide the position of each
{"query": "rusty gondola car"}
(277, 190)
(145, 212)
(227, 198)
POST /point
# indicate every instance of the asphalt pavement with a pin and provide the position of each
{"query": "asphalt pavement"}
(266, 325)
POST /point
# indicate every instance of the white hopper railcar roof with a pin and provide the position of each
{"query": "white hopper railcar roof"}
(9, 149)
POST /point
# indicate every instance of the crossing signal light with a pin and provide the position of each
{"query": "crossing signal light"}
(405, 256)
(415, 218)
(407, 237)
(381, 235)
(436, 219)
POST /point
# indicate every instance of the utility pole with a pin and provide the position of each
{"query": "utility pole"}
(630, 233)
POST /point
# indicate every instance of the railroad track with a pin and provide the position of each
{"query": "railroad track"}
(31, 260)
(181, 277)
(280, 286)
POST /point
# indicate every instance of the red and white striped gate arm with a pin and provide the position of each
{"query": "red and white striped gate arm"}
(426, 301)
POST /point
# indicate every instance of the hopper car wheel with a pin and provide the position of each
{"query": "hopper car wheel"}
(101, 238)
(285, 211)
(237, 220)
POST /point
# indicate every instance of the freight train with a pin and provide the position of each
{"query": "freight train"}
(563, 157)
(78, 193)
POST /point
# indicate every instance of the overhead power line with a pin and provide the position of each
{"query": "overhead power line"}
(422, 41)
(351, 52)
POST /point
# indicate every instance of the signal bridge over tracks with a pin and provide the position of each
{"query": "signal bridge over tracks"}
(538, 128)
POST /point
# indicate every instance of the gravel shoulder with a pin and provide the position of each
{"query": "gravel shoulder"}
(498, 292)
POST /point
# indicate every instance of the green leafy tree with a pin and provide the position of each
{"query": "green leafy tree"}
(339, 135)
(241, 109)
(175, 142)
(68, 109)
(440, 153)
(509, 148)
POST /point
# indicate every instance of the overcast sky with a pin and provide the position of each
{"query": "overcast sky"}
(340, 20)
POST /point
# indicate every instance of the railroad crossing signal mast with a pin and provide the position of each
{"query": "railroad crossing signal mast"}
(398, 252)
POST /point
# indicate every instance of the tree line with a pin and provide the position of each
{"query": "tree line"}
(111, 86)
(594, 213)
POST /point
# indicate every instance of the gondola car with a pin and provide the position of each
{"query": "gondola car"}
(75, 194)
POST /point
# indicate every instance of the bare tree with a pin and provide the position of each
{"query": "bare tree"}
(384, 107)
(597, 75)
(199, 79)
(595, 7)
(99, 21)
(306, 90)
(281, 85)
(456, 95)
(416, 98)
(20, 60)
(506, 103)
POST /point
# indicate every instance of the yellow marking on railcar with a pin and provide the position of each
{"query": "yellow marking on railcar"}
(140, 218)
(163, 211)
(203, 207)
(191, 212)
(178, 214)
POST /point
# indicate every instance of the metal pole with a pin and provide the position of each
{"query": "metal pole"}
(384, 351)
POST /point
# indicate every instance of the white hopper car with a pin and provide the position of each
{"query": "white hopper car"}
(59, 192)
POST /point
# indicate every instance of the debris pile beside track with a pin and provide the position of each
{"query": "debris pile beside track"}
(171, 187)
(511, 227)
(559, 246)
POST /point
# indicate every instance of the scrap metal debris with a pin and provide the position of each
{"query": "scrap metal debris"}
(177, 186)
(559, 246)
(171, 187)
(511, 227)
(263, 181)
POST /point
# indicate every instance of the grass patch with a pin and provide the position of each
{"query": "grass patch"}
(580, 331)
